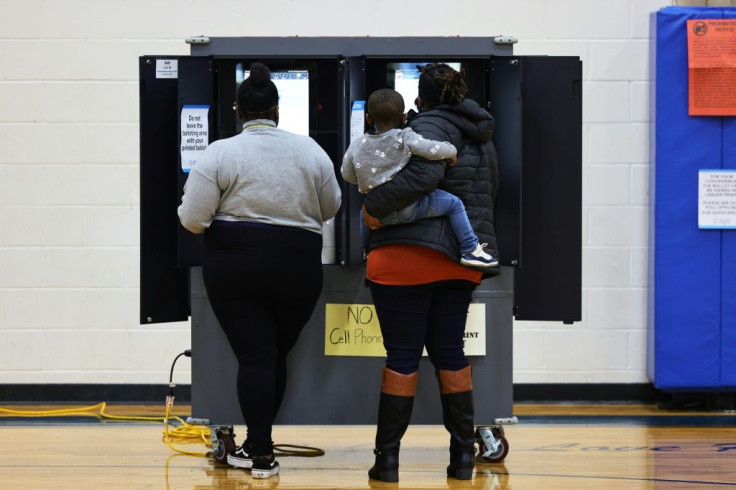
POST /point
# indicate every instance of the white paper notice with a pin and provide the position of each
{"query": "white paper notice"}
(328, 242)
(475, 330)
(357, 119)
(717, 199)
(167, 68)
(195, 134)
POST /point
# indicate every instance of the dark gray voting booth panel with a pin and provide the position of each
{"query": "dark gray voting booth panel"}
(164, 286)
(537, 105)
(167, 249)
(344, 390)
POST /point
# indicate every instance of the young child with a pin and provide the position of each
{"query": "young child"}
(374, 159)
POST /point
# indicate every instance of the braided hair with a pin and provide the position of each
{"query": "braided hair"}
(440, 84)
(258, 96)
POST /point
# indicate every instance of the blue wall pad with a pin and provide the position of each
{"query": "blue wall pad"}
(686, 339)
(728, 273)
(728, 248)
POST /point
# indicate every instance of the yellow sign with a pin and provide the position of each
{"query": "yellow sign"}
(353, 330)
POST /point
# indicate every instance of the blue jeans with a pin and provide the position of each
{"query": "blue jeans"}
(436, 203)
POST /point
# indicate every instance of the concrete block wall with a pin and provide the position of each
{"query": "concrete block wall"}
(69, 171)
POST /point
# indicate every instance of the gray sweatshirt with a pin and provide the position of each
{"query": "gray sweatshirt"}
(373, 159)
(263, 175)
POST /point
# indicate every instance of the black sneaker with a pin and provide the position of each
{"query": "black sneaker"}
(479, 257)
(241, 457)
(264, 467)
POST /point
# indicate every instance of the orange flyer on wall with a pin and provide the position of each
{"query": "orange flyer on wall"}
(711, 56)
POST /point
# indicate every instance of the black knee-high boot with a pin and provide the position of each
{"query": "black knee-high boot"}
(457, 414)
(394, 412)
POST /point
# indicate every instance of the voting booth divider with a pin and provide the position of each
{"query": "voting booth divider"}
(335, 368)
(692, 245)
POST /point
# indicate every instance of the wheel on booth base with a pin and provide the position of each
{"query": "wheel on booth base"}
(225, 445)
(501, 451)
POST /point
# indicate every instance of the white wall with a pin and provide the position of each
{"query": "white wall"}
(69, 171)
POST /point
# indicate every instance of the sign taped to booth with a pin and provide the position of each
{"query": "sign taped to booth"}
(195, 134)
(711, 55)
(353, 330)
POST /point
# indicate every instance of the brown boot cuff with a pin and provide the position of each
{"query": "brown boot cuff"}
(456, 381)
(399, 384)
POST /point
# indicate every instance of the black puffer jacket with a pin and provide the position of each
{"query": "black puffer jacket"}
(474, 179)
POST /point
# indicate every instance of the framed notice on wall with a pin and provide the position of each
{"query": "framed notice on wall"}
(711, 56)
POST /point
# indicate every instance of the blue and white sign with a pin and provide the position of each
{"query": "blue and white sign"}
(717, 199)
(195, 134)
(357, 119)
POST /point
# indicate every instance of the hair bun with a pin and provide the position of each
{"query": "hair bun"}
(259, 74)
(258, 94)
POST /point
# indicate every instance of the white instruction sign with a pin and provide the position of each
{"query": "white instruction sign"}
(475, 330)
(717, 199)
(195, 134)
(357, 118)
(167, 68)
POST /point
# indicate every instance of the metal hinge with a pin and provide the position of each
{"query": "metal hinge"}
(505, 40)
(197, 40)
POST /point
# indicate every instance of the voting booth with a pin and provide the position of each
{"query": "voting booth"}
(335, 368)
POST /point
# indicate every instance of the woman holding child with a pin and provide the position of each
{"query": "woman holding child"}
(420, 289)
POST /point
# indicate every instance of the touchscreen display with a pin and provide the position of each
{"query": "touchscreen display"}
(406, 80)
(293, 87)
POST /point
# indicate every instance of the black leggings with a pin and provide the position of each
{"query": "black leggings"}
(263, 283)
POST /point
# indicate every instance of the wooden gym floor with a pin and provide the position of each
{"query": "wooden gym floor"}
(553, 447)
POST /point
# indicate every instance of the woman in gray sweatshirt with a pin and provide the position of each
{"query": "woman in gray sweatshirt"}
(260, 198)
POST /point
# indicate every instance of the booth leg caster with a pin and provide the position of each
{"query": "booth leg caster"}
(223, 443)
(492, 444)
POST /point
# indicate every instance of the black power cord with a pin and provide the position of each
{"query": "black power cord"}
(294, 450)
(172, 385)
(187, 353)
(279, 449)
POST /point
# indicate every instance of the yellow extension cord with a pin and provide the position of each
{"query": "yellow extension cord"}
(186, 433)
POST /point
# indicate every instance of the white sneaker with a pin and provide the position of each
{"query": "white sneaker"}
(479, 257)
(264, 467)
(240, 458)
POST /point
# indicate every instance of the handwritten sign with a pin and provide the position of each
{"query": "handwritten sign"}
(353, 330)
(717, 199)
(711, 54)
